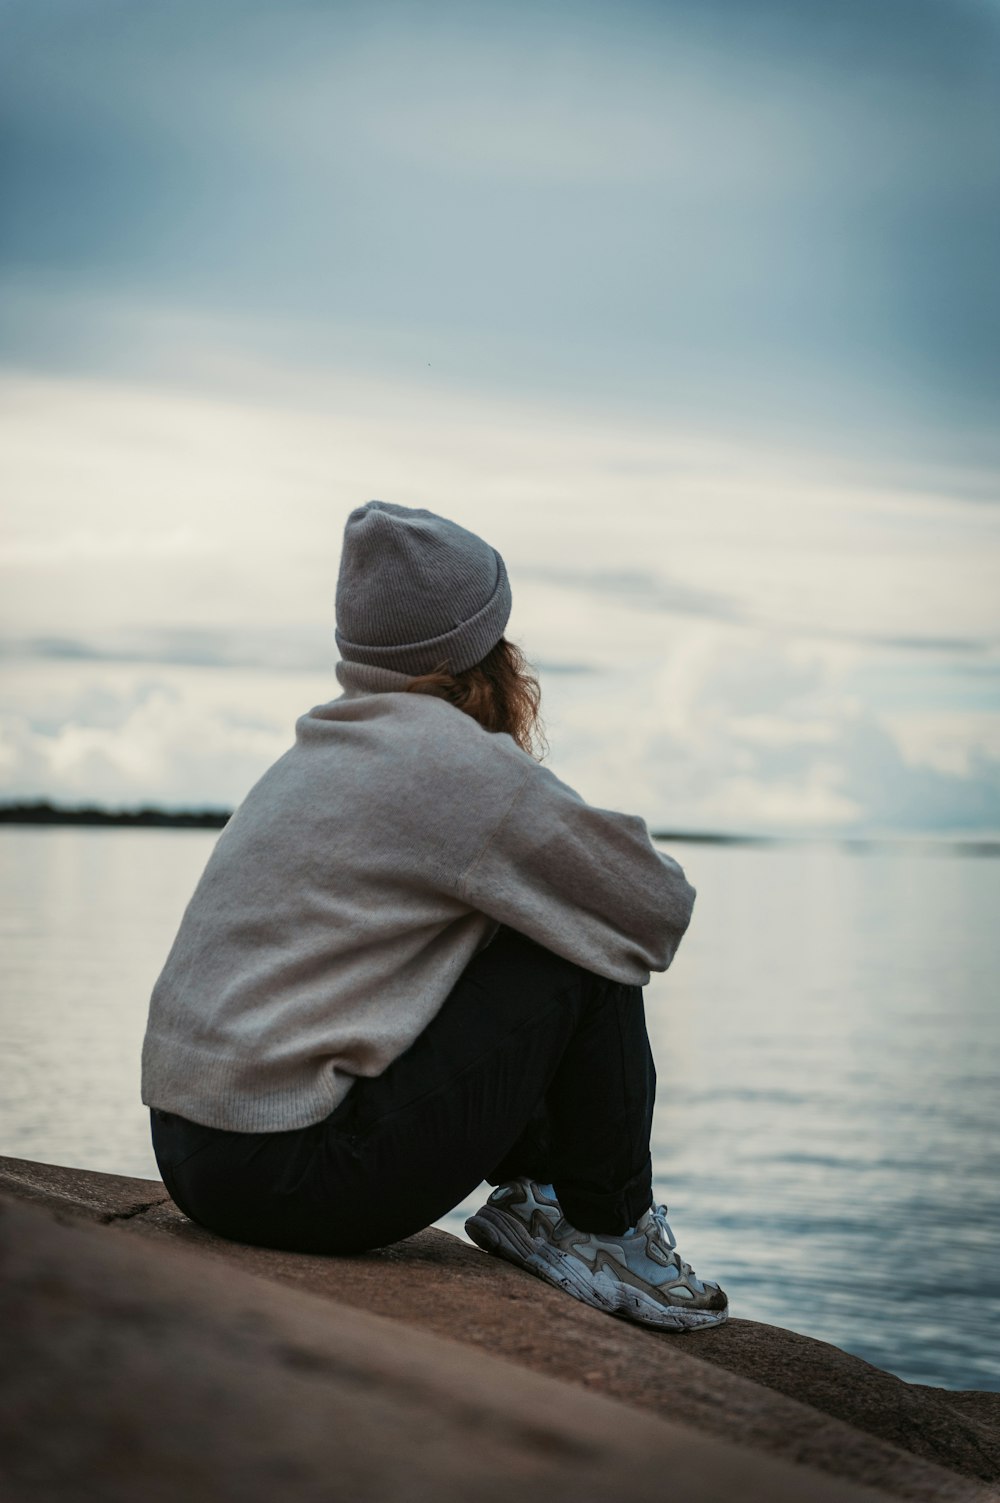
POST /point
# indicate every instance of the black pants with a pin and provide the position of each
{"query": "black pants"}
(533, 1066)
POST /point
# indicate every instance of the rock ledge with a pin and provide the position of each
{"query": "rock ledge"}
(141, 1342)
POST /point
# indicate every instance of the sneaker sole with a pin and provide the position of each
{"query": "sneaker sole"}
(505, 1237)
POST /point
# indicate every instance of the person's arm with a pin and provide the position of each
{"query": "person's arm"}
(587, 883)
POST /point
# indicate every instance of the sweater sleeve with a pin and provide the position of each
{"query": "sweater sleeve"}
(585, 882)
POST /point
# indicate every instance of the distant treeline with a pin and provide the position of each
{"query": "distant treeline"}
(43, 813)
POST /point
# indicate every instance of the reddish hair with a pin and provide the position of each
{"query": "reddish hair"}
(500, 692)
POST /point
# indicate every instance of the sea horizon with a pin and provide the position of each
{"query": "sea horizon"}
(43, 811)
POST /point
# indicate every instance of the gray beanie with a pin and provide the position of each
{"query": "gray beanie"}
(416, 590)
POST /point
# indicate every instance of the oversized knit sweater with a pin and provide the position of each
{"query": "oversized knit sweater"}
(355, 883)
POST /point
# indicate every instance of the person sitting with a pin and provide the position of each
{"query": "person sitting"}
(416, 958)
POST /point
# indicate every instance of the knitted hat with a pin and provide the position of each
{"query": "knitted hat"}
(416, 590)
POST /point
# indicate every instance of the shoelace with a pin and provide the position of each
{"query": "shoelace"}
(659, 1215)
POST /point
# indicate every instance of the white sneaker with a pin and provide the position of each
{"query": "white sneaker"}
(639, 1275)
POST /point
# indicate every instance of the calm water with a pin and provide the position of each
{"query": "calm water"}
(827, 1043)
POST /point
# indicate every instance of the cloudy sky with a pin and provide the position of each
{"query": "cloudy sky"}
(689, 307)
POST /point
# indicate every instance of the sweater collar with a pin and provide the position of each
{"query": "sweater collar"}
(359, 678)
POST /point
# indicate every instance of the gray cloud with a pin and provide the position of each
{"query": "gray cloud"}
(645, 590)
(290, 649)
(781, 212)
(640, 589)
(896, 795)
(287, 649)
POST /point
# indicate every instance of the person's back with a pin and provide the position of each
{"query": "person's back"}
(306, 955)
(347, 894)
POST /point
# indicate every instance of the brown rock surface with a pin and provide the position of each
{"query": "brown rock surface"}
(134, 1370)
(82, 1192)
(767, 1389)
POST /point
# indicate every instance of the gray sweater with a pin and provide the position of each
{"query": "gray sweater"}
(354, 884)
